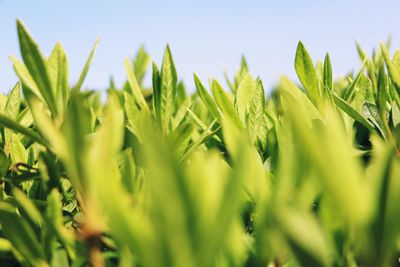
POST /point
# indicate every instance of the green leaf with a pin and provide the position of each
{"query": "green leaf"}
(305, 237)
(136, 91)
(361, 52)
(132, 113)
(225, 104)
(395, 114)
(11, 124)
(17, 150)
(244, 95)
(85, 69)
(156, 79)
(327, 77)
(350, 91)
(381, 100)
(383, 230)
(205, 135)
(303, 101)
(243, 153)
(181, 95)
(342, 179)
(167, 89)
(349, 110)
(206, 97)
(37, 66)
(4, 163)
(238, 76)
(256, 120)
(11, 108)
(181, 112)
(142, 59)
(181, 137)
(27, 207)
(370, 112)
(130, 181)
(52, 136)
(55, 221)
(60, 258)
(25, 77)
(5, 246)
(240, 73)
(58, 70)
(231, 86)
(75, 130)
(22, 237)
(307, 75)
(393, 70)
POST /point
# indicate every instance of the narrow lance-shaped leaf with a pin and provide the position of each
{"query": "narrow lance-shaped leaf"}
(256, 121)
(303, 101)
(244, 95)
(228, 82)
(361, 52)
(75, 129)
(133, 114)
(381, 99)
(85, 70)
(207, 133)
(350, 91)
(206, 97)
(167, 89)
(305, 237)
(22, 237)
(328, 73)
(225, 104)
(25, 77)
(4, 163)
(11, 124)
(349, 110)
(306, 73)
(140, 64)
(11, 108)
(241, 72)
(16, 149)
(58, 70)
(26, 205)
(37, 66)
(394, 71)
(52, 135)
(384, 229)
(181, 94)
(134, 85)
(156, 80)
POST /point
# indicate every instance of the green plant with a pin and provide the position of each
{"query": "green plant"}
(308, 176)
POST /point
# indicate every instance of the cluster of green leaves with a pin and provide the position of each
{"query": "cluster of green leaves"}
(308, 176)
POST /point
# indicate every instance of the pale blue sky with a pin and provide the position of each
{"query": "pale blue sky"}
(205, 36)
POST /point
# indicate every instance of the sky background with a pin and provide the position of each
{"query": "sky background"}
(206, 37)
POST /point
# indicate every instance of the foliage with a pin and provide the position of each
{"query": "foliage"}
(308, 176)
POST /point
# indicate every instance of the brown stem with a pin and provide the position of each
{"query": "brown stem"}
(277, 263)
(90, 232)
(92, 238)
(95, 257)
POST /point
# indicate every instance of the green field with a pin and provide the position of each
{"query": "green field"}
(308, 175)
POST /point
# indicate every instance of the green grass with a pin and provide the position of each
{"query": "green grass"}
(308, 176)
